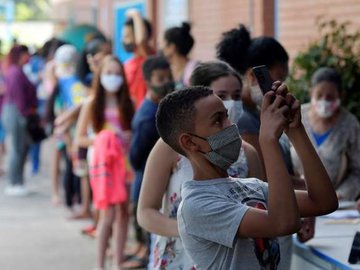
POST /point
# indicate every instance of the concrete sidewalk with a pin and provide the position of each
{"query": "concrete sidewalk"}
(35, 235)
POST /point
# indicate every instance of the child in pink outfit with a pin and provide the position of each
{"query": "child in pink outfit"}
(108, 171)
(107, 115)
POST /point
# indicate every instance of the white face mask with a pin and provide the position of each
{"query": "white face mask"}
(235, 109)
(256, 94)
(324, 108)
(111, 82)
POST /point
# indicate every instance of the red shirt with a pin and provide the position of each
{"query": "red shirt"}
(135, 79)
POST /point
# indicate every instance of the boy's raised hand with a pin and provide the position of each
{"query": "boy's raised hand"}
(294, 114)
(273, 119)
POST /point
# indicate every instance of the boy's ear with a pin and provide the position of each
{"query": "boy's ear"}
(187, 144)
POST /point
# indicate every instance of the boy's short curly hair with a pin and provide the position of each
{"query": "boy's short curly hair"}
(176, 114)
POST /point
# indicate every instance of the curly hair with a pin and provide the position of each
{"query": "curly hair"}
(176, 114)
(238, 49)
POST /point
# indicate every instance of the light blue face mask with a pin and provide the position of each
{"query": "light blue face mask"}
(225, 147)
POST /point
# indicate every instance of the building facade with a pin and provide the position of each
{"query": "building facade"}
(292, 22)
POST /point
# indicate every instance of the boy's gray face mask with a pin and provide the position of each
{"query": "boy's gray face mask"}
(225, 147)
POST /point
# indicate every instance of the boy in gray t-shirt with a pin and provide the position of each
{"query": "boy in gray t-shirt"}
(228, 223)
(217, 224)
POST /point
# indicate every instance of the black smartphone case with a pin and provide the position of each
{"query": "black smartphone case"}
(263, 77)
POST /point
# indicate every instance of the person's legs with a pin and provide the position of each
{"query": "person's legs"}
(35, 157)
(24, 137)
(139, 255)
(76, 187)
(139, 236)
(68, 181)
(7, 118)
(120, 233)
(85, 197)
(139, 233)
(104, 232)
(2, 147)
(55, 175)
(15, 125)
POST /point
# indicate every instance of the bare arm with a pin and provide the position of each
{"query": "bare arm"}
(253, 161)
(299, 183)
(282, 215)
(68, 116)
(157, 174)
(81, 139)
(141, 37)
(320, 197)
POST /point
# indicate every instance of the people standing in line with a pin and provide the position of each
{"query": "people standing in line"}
(177, 44)
(157, 211)
(2, 130)
(242, 52)
(49, 83)
(33, 70)
(232, 223)
(19, 103)
(109, 109)
(89, 61)
(136, 37)
(68, 93)
(159, 82)
(334, 132)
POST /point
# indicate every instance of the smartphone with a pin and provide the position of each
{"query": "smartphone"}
(263, 77)
(354, 257)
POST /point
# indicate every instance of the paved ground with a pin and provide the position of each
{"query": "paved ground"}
(35, 235)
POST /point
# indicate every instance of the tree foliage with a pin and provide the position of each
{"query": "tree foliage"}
(338, 48)
(29, 10)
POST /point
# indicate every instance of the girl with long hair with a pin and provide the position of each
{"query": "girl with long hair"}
(109, 108)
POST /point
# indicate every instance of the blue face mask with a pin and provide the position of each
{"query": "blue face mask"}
(225, 147)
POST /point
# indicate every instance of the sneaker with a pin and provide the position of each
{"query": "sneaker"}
(10, 190)
(17, 191)
(21, 191)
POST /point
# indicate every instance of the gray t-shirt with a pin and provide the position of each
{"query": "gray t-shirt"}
(209, 217)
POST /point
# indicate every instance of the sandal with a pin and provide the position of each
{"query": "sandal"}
(89, 231)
